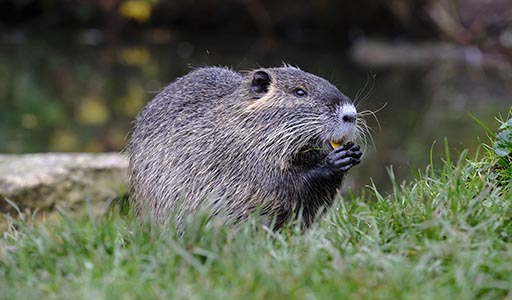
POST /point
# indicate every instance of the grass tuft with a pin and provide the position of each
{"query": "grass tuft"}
(445, 235)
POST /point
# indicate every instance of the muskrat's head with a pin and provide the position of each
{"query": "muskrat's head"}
(300, 112)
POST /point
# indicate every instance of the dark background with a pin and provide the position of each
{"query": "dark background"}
(73, 74)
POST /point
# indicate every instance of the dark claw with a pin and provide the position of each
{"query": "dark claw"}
(345, 168)
(348, 145)
(344, 158)
(340, 155)
(343, 148)
(345, 162)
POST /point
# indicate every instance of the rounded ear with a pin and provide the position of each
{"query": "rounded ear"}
(260, 82)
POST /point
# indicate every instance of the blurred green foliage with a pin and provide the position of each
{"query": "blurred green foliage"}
(70, 99)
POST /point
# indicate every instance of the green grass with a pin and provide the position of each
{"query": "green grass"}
(445, 235)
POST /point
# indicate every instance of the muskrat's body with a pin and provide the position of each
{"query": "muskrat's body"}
(237, 143)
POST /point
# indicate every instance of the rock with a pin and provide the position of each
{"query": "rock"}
(45, 181)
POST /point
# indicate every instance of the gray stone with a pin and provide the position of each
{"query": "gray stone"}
(45, 181)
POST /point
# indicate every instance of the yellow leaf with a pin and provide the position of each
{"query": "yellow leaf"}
(132, 102)
(93, 111)
(135, 56)
(138, 10)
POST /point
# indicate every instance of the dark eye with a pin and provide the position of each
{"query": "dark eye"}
(299, 92)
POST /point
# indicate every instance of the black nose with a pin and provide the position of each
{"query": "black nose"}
(349, 118)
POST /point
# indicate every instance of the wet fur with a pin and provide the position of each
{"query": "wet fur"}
(209, 139)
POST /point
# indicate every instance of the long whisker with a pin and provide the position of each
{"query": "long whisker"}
(364, 131)
(370, 90)
(375, 111)
(370, 78)
(373, 114)
(360, 91)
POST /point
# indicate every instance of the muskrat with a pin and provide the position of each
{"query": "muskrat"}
(273, 140)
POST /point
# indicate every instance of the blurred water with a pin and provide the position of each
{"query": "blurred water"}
(73, 92)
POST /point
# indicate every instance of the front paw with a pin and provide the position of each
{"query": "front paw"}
(344, 158)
